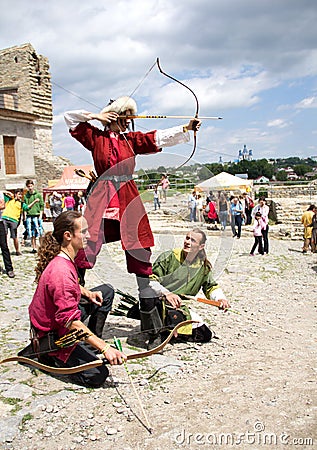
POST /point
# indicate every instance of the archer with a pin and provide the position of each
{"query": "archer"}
(114, 208)
(55, 304)
(183, 272)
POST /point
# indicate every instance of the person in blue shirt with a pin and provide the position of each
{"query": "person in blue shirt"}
(236, 210)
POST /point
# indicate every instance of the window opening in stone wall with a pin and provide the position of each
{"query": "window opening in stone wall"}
(9, 98)
(16, 59)
(6, 101)
(9, 155)
(37, 68)
(38, 77)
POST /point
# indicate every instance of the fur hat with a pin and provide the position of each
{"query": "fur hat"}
(121, 105)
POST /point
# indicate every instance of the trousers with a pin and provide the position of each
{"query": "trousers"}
(5, 249)
(82, 355)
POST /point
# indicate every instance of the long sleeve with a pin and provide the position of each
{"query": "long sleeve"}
(160, 269)
(41, 203)
(256, 209)
(212, 290)
(74, 118)
(171, 136)
(164, 138)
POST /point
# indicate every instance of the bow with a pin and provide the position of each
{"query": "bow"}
(157, 63)
(196, 113)
(98, 362)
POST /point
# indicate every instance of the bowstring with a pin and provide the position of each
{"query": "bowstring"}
(130, 96)
(196, 112)
(143, 78)
(156, 63)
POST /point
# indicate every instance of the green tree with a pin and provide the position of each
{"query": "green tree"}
(214, 168)
(265, 169)
(285, 162)
(254, 169)
(311, 162)
(204, 173)
(301, 169)
(281, 175)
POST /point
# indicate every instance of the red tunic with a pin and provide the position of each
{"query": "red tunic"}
(135, 229)
(56, 299)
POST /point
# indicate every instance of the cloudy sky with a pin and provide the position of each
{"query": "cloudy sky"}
(254, 63)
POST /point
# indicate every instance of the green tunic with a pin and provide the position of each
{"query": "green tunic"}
(171, 270)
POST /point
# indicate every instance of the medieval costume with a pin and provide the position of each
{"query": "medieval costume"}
(114, 209)
(56, 303)
(177, 275)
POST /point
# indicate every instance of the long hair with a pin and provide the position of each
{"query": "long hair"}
(51, 242)
(202, 253)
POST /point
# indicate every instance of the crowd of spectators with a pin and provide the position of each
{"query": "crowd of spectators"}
(27, 208)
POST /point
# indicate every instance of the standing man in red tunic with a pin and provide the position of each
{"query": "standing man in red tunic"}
(114, 208)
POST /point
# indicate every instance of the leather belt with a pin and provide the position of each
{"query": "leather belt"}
(116, 178)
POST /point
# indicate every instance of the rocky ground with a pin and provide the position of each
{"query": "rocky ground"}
(254, 386)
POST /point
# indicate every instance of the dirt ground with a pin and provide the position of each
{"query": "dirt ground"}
(253, 386)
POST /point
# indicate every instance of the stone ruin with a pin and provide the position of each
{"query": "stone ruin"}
(26, 117)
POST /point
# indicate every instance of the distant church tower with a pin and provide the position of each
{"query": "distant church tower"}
(245, 154)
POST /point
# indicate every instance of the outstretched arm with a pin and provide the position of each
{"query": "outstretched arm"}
(175, 135)
(213, 291)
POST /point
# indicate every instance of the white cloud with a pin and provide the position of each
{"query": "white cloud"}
(245, 60)
(310, 102)
(278, 123)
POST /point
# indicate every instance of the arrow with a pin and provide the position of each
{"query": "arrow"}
(168, 117)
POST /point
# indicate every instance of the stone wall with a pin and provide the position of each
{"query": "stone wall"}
(47, 165)
(49, 169)
(25, 76)
(22, 67)
(288, 191)
(289, 202)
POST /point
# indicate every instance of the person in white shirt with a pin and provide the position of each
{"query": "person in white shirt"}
(199, 206)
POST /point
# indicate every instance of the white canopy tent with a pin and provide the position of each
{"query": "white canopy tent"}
(226, 182)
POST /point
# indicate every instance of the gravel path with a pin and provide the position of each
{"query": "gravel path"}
(252, 387)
